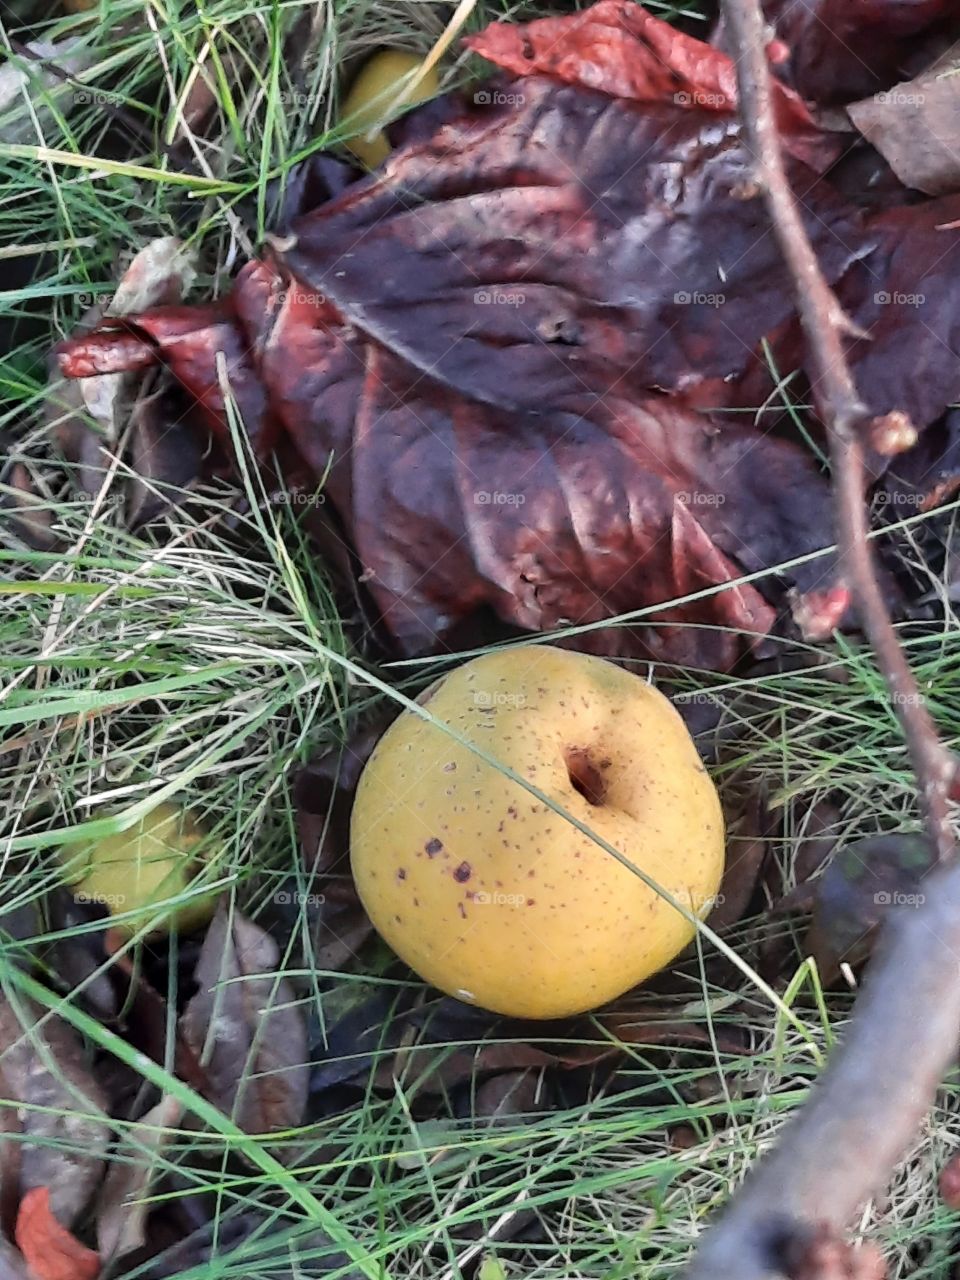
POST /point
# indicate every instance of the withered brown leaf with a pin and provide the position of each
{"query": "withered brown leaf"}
(246, 1027)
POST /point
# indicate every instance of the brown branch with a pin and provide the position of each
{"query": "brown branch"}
(847, 420)
(865, 1111)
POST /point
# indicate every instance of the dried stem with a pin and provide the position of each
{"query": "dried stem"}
(865, 1111)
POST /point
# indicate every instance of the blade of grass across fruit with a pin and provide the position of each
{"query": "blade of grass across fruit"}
(410, 704)
(370, 1263)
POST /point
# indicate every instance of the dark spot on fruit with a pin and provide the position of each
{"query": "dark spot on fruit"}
(401, 874)
(462, 873)
(416, 902)
(512, 810)
(433, 847)
(450, 766)
(530, 901)
(531, 875)
(398, 919)
(462, 909)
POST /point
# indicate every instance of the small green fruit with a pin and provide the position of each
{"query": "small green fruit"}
(139, 869)
(374, 93)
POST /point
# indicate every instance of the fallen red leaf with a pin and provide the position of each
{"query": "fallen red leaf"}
(615, 46)
(519, 457)
(51, 1251)
(491, 349)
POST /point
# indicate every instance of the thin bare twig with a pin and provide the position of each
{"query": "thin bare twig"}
(847, 419)
(865, 1111)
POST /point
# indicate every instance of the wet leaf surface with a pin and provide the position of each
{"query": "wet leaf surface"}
(628, 53)
(511, 1094)
(903, 298)
(181, 1244)
(37, 72)
(13, 1265)
(165, 454)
